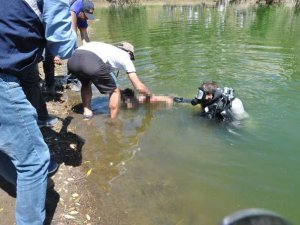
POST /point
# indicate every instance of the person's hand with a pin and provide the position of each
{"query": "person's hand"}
(148, 97)
(143, 90)
(57, 60)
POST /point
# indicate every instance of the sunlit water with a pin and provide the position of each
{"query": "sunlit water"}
(161, 167)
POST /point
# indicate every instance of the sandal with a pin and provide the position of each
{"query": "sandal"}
(52, 168)
(87, 117)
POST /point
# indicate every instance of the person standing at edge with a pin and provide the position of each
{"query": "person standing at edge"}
(81, 11)
(94, 63)
(25, 25)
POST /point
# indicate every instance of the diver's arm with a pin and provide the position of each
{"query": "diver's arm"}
(182, 100)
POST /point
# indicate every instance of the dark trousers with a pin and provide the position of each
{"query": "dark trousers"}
(30, 83)
(48, 66)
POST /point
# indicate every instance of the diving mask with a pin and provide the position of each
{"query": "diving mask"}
(200, 97)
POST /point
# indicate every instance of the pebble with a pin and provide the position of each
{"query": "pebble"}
(75, 195)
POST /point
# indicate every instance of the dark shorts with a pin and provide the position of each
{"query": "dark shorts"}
(88, 67)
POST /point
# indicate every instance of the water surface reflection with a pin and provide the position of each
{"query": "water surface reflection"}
(171, 167)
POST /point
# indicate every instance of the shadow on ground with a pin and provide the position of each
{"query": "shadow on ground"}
(65, 147)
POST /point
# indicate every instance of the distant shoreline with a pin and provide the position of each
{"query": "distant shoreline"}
(105, 4)
(286, 3)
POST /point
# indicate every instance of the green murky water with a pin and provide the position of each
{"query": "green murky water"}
(161, 167)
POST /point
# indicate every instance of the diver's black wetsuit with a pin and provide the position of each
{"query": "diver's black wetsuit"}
(218, 108)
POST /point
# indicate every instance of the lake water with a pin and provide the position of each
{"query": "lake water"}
(169, 167)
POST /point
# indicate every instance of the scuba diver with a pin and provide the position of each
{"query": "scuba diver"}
(217, 103)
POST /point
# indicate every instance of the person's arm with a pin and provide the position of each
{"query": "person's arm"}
(61, 39)
(157, 99)
(74, 21)
(163, 99)
(138, 85)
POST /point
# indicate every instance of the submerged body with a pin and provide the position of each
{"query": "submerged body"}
(130, 100)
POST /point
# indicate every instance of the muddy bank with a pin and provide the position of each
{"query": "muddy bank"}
(70, 201)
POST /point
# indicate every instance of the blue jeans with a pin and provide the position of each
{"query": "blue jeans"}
(24, 156)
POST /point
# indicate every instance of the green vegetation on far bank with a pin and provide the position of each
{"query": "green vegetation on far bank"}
(121, 3)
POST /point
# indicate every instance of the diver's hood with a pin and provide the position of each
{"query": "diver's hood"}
(200, 98)
(217, 95)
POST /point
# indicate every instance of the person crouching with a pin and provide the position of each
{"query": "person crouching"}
(95, 63)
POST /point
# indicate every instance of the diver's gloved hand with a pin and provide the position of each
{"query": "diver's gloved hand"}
(181, 100)
(177, 99)
(195, 101)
